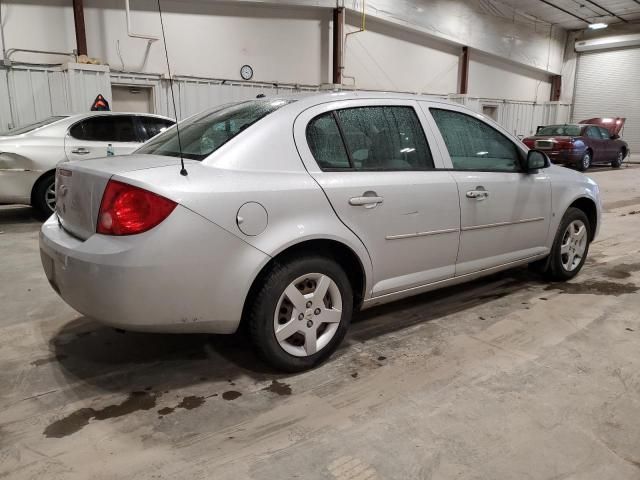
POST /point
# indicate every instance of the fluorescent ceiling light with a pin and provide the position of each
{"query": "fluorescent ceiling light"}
(597, 26)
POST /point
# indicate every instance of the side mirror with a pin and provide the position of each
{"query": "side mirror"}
(615, 136)
(537, 160)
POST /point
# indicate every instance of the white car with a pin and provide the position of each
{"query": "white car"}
(29, 155)
(294, 212)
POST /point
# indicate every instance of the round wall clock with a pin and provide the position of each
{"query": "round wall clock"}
(246, 72)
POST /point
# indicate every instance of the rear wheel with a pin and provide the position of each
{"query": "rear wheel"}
(300, 313)
(585, 162)
(43, 196)
(570, 247)
(617, 163)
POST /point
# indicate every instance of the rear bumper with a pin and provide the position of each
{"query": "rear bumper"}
(185, 275)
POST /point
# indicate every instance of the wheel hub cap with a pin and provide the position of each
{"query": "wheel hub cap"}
(574, 245)
(308, 314)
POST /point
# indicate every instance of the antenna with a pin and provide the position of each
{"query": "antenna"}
(183, 171)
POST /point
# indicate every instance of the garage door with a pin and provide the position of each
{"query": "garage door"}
(607, 85)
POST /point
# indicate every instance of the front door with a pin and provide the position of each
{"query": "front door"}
(505, 213)
(374, 163)
(90, 138)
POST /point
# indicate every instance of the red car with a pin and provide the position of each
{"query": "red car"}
(593, 141)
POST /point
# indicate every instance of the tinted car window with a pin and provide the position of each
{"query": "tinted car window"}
(325, 142)
(604, 133)
(203, 134)
(475, 145)
(562, 130)
(106, 128)
(593, 132)
(385, 138)
(152, 126)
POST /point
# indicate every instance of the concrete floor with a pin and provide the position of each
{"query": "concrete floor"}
(504, 378)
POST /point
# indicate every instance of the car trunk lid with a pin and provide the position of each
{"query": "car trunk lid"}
(80, 185)
(613, 124)
(549, 142)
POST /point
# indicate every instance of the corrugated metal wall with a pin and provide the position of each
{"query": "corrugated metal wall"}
(38, 92)
(607, 85)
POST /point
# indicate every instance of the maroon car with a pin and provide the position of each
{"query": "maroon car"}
(593, 141)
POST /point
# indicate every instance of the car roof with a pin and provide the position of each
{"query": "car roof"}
(78, 116)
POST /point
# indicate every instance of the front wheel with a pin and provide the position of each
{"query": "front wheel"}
(617, 163)
(570, 247)
(300, 313)
(585, 162)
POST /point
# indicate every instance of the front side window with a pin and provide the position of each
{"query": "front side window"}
(475, 145)
(604, 133)
(203, 134)
(152, 126)
(593, 132)
(106, 128)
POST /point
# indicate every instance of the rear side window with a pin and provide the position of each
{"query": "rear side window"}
(475, 145)
(106, 128)
(152, 126)
(370, 139)
(203, 134)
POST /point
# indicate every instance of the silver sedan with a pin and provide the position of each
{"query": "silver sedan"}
(29, 155)
(295, 212)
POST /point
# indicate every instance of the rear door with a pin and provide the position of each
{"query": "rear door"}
(90, 138)
(376, 164)
(505, 213)
(609, 146)
(597, 144)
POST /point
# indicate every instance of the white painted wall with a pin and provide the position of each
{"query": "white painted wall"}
(385, 57)
(490, 77)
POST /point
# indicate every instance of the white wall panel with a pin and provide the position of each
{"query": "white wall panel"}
(607, 85)
(494, 78)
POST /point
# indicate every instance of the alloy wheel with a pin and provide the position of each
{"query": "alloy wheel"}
(308, 314)
(586, 161)
(50, 197)
(574, 245)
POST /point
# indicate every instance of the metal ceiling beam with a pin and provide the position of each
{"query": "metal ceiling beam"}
(566, 11)
(608, 11)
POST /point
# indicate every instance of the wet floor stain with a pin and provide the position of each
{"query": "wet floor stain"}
(279, 387)
(382, 358)
(622, 271)
(354, 374)
(44, 361)
(594, 287)
(231, 395)
(75, 421)
(187, 403)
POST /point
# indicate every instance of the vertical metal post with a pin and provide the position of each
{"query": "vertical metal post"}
(78, 18)
(338, 36)
(556, 87)
(463, 86)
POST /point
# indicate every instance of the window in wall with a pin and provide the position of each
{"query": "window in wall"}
(475, 145)
(385, 138)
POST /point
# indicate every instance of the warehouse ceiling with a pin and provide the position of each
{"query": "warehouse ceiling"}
(576, 14)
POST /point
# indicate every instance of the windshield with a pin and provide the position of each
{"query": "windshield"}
(203, 134)
(563, 130)
(31, 126)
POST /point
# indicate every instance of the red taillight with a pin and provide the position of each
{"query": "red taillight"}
(127, 210)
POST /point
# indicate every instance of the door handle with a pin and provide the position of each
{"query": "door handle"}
(80, 151)
(477, 194)
(367, 201)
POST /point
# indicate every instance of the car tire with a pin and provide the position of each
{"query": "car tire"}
(43, 195)
(292, 328)
(570, 247)
(617, 163)
(585, 161)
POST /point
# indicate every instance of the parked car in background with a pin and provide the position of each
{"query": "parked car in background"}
(590, 142)
(29, 155)
(297, 210)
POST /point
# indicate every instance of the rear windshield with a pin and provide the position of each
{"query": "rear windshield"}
(203, 134)
(31, 126)
(563, 130)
